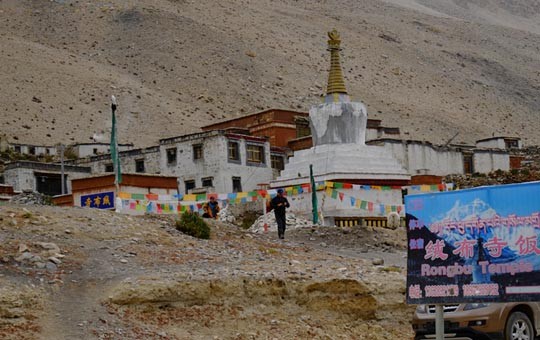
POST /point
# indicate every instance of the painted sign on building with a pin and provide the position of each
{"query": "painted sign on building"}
(102, 200)
(474, 245)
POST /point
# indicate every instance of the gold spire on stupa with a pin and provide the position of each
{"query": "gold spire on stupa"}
(336, 84)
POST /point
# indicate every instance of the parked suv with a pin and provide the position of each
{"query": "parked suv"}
(478, 321)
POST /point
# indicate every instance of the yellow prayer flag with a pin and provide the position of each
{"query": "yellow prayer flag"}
(190, 197)
(124, 195)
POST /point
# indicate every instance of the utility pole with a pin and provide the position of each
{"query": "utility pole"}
(62, 168)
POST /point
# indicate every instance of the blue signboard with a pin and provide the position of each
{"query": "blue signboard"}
(474, 245)
(102, 200)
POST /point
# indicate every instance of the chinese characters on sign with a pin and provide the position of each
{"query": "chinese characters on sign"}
(474, 245)
(102, 200)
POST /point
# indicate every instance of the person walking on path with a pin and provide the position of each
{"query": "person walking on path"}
(279, 204)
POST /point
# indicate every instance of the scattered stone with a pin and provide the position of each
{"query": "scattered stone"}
(31, 198)
(51, 266)
(48, 246)
(377, 262)
(225, 215)
(269, 219)
(54, 260)
(23, 248)
(26, 256)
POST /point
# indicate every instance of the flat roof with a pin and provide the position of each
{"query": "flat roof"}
(254, 114)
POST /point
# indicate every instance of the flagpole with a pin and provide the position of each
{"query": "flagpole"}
(115, 156)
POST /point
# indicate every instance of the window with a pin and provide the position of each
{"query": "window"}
(255, 153)
(236, 184)
(17, 149)
(234, 154)
(511, 144)
(189, 185)
(302, 130)
(32, 150)
(277, 162)
(171, 156)
(139, 165)
(302, 126)
(109, 168)
(197, 151)
(207, 182)
(94, 151)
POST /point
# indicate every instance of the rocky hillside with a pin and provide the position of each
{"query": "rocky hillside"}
(433, 68)
(71, 273)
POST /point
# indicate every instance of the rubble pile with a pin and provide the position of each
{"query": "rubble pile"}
(33, 198)
(493, 178)
(293, 222)
(45, 255)
(225, 215)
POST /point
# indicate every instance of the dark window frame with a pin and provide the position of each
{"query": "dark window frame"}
(172, 156)
(261, 150)
(233, 145)
(109, 167)
(198, 152)
(189, 184)
(237, 184)
(138, 168)
(205, 182)
(273, 160)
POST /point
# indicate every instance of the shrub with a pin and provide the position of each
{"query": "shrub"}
(249, 218)
(193, 225)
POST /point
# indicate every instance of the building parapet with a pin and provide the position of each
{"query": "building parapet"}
(183, 138)
(46, 166)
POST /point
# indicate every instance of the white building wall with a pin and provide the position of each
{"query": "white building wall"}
(86, 150)
(487, 161)
(215, 164)
(151, 158)
(301, 204)
(24, 178)
(372, 134)
(38, 149)
(20, 179)
(492, 144)
(424, 159)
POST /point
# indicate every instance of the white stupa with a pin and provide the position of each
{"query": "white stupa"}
(339, 152)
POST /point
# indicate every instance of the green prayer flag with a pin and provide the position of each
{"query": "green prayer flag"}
(363, 204)
(313, 196)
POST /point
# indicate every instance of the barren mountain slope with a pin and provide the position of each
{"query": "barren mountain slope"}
(177, 65)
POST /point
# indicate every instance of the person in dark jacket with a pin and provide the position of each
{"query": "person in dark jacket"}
(211, 208)
(279, 204)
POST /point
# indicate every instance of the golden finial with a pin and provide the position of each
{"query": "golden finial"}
(336, 84)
